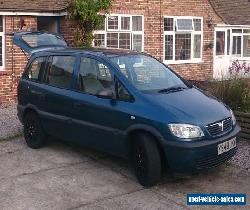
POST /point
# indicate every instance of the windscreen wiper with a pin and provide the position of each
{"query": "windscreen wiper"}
(172, 89)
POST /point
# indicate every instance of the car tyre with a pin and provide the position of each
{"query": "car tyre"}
(34, 134)
(146, 160)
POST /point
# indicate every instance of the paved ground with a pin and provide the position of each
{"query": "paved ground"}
(63, 177)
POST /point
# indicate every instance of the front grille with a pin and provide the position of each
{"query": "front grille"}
(215, 160)
(220, 128)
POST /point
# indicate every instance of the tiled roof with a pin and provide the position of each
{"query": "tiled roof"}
(234, 12)
(33, 5)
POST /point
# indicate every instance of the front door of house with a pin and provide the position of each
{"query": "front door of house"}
(222, 53)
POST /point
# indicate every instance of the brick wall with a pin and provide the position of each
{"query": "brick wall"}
(67, 30)
(154, 11)
(15, 60)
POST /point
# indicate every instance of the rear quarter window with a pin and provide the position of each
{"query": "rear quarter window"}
(34, 69)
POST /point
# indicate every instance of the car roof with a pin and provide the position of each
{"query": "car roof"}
(109, 52)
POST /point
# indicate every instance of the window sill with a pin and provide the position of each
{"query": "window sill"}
(240, 58)
(2, 69)
(183, 62)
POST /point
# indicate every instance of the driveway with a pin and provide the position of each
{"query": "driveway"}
(64, 177)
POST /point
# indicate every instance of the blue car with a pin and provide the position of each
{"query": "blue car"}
(121, 102)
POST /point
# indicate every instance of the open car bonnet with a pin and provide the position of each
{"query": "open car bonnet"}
(31, 42)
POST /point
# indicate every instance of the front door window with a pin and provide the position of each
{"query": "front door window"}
(220, 43)
(94, 76)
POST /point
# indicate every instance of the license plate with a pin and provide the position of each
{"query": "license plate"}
(226, 146)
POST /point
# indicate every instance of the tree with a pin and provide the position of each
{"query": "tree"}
(88, 15)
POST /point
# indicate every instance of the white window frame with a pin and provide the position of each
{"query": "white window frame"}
(231, 28)
(120, 23)
(242, 42)
(2, 34)
(193, 33)
(106, 23)
(119, 31)
(184, 18)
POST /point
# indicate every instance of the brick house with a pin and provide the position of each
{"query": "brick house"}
(191, 36)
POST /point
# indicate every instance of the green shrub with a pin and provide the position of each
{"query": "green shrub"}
(234, 92)
(87, 15)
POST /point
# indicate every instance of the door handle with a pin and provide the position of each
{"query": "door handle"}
(38, 93)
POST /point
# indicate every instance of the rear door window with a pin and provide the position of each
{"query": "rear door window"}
(60, 71)
(35, 68)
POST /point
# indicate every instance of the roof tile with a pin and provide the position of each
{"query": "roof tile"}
(234, 12)
(34, 5)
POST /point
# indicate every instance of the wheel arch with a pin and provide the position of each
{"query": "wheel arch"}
(135, 130)
(29, 108)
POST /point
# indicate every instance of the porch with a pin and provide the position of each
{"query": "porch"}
(231, 51)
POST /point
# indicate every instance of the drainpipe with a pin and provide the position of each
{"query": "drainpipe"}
(161, 34)
(12, 57)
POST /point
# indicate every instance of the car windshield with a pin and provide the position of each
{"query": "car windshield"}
(147, 74)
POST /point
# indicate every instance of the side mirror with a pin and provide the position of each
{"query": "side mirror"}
(107, 93)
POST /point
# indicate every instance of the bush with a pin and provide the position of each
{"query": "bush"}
(234, 89)
(88, 15)
(235, 93)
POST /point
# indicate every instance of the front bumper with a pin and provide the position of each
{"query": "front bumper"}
(188, 157)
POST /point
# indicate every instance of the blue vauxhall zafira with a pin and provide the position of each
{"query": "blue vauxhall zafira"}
(121, 102)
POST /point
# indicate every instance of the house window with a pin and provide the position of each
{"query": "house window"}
(113, 23)
(183, 39)
(237, 45)
(246, 46)
(121, 31)
(233, 42)
(241, 42)
(1, 41)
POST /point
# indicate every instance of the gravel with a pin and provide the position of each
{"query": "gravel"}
(242, 157)
(9, 123)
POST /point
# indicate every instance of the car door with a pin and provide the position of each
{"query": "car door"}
(98, 121)
(57, 90)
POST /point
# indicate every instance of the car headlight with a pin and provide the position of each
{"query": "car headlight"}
(186, 131)
(233, 117)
